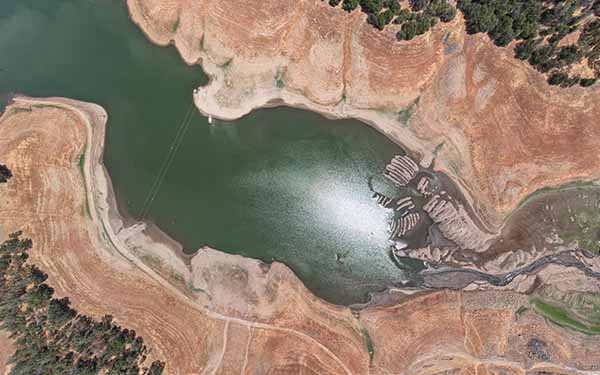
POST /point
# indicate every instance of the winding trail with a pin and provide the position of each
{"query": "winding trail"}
(250, 333)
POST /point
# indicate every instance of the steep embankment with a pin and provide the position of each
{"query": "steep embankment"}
(489, 121)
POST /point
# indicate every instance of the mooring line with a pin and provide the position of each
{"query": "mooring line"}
(167, 161)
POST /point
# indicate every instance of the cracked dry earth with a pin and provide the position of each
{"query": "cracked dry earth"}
(490, 121)
(285, 329)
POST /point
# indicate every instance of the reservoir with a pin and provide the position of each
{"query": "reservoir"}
(279, 184)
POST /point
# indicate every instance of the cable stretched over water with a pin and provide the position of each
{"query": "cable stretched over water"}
(167, 161)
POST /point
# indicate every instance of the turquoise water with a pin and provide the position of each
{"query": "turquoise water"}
(280, 184)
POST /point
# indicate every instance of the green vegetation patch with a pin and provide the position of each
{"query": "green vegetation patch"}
(158, 265)
(521, 310)
(53, 338)
(368, 344)
(405, 114)
(416, 19)
(561, 317)
(279, 81)
(202, 48)
(175, 25)
(540, 26)
(44, 105)
(584, 306)
(81, 165)
(5, 174)
(569, 186)
(226, 64)
(581, 226)
(16, 110)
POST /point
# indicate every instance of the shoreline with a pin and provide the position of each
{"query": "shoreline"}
(261, 96)
(119, 221)
(106, 216)
(101, 201)
(382, 120)
(113, 249)
(256, 80)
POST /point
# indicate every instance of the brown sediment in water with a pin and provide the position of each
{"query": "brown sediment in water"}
(488, 120)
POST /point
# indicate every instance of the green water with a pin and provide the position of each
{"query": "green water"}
(278, 184)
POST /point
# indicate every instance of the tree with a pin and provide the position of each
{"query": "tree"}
(408, 31)
(51, 337)
(418, 5)
(394, 6)
(524, 49)
(5, 173)
(503, 33)
(424, 22)
(371, 6)
(156, 368)
(448, 14)
(587, 82)
(541, 55)
(334, 3)
(568, 54)
(350, 5)
(557, 78)
(59, 311)
(402, 16)
(441, 9)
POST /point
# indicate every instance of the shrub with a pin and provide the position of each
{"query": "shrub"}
(5, 173)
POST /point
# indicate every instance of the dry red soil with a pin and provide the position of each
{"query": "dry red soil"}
(284, 329)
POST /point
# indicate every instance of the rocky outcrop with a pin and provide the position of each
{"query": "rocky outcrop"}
(401, 170)
(455, 223)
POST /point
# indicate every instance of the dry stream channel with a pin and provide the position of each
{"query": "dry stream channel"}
(279, 184)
